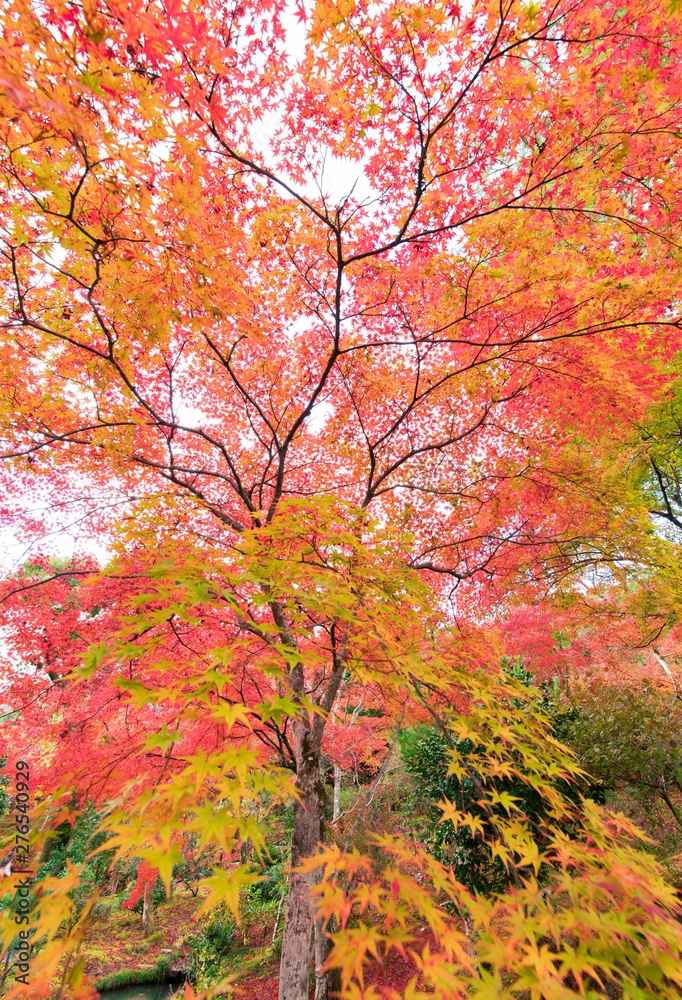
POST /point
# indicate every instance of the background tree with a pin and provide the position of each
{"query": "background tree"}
(628, 736)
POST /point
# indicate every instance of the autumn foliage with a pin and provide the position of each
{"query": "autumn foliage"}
(337, 330)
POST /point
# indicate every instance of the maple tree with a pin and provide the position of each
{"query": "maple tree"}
(318, 422)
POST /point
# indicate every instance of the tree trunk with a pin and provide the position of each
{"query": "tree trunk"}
(328, 983)
(308, 831)
(245, 846)
(321, 952)
(148, 909)
(307, 731)
(337, 793)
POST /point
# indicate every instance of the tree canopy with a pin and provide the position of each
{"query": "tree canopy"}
(338, 326)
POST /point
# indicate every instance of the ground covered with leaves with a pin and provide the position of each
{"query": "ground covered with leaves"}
(117, 955)
(115, 945)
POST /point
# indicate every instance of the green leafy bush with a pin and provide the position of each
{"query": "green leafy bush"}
(271, 871)
(427, 753)
(628, 736)
(73, 843)
(210, 949)
(5, 798)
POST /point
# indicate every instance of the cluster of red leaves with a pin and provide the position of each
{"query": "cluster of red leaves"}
(146, 877)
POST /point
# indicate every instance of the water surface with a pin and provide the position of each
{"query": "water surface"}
(143, 991)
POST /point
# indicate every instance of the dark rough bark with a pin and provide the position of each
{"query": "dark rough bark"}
(327, 984)
(307, 834)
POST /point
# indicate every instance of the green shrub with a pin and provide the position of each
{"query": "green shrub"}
(210, 949)
(73, 844)
(5, 797)
(271, 871)
(427, 753)
(628, 736)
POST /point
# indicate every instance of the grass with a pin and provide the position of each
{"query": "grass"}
(133, 977)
